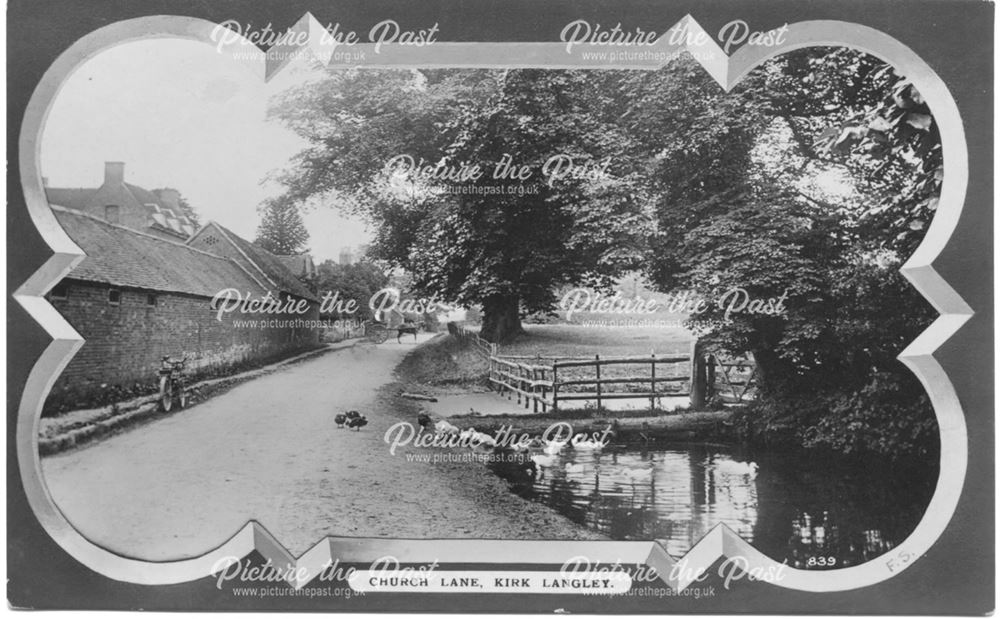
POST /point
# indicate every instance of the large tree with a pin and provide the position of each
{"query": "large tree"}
(502, 243)
(282, 231)
(813, 179)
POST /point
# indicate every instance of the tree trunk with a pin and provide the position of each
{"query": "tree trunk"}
(770, 367)
(501, 319)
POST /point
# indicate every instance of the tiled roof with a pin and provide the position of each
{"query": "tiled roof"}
(299, 265)
(271, 265)
(71, 197)
(126, 195)
(124, 257)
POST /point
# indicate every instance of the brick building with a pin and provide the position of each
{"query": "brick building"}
(145, 292)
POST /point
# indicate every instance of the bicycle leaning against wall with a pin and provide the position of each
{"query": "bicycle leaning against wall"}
(173, 383)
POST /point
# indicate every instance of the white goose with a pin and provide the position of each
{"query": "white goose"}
(554, 447)
(443, 427)
(543, 461)
(589, 445)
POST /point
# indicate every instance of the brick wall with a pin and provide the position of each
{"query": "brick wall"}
(125, 342)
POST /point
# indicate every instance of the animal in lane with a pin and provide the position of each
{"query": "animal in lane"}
(355, 420)
(357, 423)
(406, 328)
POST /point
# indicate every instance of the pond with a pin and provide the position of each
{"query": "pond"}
(812, 512)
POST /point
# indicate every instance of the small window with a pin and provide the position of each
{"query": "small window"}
(114, 296)
(111, 213)
(59, 292)
(151, 299)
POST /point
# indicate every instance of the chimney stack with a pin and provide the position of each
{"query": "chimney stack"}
(114, 173)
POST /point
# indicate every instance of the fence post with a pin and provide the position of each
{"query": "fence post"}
(534, 394)
(652, 381)
(697, 376)
(710, 376)
(597, 367)
(524, 385)
(555, 387)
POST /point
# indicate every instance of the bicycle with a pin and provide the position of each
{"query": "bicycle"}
(172, 383)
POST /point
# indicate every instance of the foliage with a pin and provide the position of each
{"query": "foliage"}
(733, 215)
(281, 229)
(501, 243)
(811, 182)
(358, 281)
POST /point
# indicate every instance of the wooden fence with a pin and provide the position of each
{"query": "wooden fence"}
(733, 379)
(542, 383)
(481, 346)
(544, 387)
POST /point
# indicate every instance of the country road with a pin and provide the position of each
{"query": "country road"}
(268, 450)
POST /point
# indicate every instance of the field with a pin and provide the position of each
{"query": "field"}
(544, 343)
(568, 340)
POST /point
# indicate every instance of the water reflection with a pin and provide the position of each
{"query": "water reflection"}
(814, 513)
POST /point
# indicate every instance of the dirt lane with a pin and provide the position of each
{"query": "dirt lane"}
(268, 450)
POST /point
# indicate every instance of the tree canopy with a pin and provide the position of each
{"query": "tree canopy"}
(501, 242)
(814, 180)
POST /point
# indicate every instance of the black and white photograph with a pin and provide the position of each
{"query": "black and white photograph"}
(663, 299)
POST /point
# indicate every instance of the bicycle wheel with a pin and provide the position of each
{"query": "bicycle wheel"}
(166, 394)
(380, 335)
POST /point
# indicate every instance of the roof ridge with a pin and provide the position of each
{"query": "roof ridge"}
(77, 212)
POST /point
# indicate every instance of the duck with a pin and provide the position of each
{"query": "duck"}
(358, 422)
(443, 427)
(591, 444)
(484, 439)
(543, 461)
(736, 468)
(554, 447)
(340, 419)
(467, 434)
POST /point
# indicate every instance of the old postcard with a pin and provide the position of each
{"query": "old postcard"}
(566, 307)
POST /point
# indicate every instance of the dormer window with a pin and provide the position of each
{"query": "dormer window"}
(111, 213)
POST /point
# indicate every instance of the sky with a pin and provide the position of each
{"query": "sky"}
(181, 115)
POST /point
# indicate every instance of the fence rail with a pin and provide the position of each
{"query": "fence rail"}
(481, 346)
(536, 384)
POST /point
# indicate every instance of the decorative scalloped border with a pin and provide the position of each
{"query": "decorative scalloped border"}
(720, 541)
